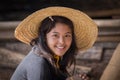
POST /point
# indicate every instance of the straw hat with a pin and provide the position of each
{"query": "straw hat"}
(85, 28)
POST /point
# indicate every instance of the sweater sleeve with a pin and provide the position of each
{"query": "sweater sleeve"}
(39, 70)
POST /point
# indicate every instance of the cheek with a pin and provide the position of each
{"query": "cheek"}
(50, 42)
(68, 43)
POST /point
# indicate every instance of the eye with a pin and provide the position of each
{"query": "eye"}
(55, 36)
(68, 35)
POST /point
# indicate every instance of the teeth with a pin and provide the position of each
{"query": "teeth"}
(61, 47)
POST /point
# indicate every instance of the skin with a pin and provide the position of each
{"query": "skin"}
(59, 39)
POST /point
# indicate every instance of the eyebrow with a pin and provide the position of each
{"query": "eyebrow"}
(69, 33)
(65, 33)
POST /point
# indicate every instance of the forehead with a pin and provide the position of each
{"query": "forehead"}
(61, 27)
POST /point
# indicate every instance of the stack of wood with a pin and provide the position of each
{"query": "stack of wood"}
(109, 29)
(10, 58)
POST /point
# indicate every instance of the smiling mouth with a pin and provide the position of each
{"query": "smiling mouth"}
(61, 47)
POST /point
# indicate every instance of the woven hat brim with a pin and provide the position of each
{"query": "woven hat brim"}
(84, 27)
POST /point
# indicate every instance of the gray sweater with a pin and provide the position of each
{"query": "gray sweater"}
(34, 67)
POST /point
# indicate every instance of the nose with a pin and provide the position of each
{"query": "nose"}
(61, 40)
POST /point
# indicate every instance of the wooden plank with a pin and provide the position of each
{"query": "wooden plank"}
(104, 13)
(10, 58)
(113, 67)
(94, 53)
(107, 22)
(8, 24)
(7, 34)
(109, 33)
(108, 39)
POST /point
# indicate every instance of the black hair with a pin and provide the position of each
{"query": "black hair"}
(45, 27)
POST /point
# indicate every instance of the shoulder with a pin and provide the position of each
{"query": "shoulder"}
(34, 60)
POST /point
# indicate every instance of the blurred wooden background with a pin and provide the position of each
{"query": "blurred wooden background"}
(106, 14)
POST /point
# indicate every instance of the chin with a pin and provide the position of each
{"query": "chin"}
(59, 54)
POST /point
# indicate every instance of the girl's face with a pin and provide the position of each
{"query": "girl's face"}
(59, 39)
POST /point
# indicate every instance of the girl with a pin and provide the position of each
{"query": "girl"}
(54, 43)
